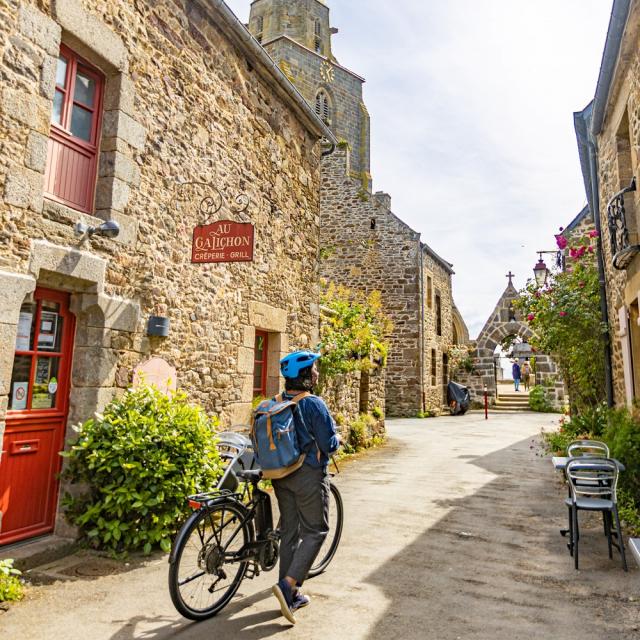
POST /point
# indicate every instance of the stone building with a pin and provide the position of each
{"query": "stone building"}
(364, 245)
(168, 118)
(608, 133)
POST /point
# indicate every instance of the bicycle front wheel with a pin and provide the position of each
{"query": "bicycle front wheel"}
(330, 545)
(203, 577)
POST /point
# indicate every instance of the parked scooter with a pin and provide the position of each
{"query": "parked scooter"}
(458, 399)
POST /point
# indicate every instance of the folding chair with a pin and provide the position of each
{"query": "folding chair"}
(592, 484)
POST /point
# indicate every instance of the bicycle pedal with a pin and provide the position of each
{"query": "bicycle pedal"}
(253, 570)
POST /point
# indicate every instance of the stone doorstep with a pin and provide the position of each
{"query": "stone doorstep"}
(37, 552)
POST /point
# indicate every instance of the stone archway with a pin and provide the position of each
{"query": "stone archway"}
(506, 321)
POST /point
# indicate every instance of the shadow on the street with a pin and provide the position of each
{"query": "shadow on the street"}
(253, 626)
(496, 566)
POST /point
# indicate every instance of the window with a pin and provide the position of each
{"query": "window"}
(42, 343)
(438, 316)
(260, 364)
(259, 28)
(323, 107)
(70, 175)
(317, 39)
(429, 292)
(433, 368)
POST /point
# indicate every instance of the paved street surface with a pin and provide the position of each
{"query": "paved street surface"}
(451, 532)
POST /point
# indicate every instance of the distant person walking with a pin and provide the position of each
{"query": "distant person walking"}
(525, 372)
(515, 372)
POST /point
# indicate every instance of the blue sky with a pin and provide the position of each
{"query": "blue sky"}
(471, 106)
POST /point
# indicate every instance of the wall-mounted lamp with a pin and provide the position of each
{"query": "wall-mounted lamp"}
(158, 326)
(108, 229)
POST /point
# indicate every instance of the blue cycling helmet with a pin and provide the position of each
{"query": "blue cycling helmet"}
(291, 365)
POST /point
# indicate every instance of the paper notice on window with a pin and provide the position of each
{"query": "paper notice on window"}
(24, 331)
(19, 396)
(48, 327)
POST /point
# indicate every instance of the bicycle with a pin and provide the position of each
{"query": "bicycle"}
(230, 536)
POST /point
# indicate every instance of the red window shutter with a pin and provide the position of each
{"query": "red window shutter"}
(72, 160)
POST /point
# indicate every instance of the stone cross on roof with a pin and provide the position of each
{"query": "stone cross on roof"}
(510, 276)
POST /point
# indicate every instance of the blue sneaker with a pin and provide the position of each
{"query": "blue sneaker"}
(283, 591)
(299, 600)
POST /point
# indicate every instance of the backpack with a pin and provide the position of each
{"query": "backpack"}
(275, 438)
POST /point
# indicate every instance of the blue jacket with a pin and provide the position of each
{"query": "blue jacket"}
(316, 430)
(515, 371)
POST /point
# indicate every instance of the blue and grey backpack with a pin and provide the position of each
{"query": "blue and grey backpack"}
(275, 437)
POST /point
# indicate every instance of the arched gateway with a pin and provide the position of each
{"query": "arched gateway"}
(506, 328)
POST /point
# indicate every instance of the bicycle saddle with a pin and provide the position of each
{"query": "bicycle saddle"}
(250, 475)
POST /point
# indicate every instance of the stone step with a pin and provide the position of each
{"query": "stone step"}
(512, 405)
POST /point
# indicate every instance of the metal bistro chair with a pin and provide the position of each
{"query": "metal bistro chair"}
(592, 484)
(579, 448)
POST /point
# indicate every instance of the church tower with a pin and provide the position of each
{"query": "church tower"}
(297, 35)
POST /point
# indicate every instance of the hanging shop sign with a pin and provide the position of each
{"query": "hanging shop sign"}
(223, 241)
(230, 239)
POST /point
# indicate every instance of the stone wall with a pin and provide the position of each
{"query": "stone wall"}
(618, 163)
(437, 286)
(352, 394)
(364, 246)
(183, 103)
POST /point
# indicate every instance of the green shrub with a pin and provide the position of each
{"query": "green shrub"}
(623, 438)
(340, 419)
(360, 435)
(11, 588)
(538, 400)
(138, 461)
(377, 413)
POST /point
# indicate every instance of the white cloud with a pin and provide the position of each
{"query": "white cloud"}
(472, 131)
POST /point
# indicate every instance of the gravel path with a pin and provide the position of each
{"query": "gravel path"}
(451, 533)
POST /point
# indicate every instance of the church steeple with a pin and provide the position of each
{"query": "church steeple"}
(305, 21)
(297, 35)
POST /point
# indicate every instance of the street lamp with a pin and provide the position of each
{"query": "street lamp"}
(541, 271)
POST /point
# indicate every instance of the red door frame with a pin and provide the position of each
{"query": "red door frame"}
(29, 421)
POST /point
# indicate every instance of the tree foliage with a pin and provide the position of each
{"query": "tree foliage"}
(565, 318)
(353, 332)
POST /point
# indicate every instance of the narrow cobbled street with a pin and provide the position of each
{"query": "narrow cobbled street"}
(452, 532)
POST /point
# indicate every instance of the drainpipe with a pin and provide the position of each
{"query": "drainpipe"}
(604, 309)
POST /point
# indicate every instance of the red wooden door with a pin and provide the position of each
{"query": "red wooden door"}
(37, 416)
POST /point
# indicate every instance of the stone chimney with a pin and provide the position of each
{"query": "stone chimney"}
(383, 199)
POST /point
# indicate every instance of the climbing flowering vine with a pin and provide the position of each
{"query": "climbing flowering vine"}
(565, 317)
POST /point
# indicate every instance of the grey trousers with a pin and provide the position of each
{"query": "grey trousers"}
(303, 499)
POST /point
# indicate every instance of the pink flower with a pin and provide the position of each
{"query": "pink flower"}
(593, 234)
(531, 317)
(581, 285)
(537, 294)
(573, 252)
(581, 251)
(563, 314)
(561, 242)
(590, 249)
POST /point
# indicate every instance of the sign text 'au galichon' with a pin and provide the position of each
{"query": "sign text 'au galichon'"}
(223, 241)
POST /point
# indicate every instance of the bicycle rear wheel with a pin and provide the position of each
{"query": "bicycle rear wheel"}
(202, 578)
(330, 545)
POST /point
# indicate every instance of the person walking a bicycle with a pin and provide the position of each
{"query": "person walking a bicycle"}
(303, 494)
